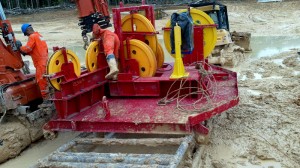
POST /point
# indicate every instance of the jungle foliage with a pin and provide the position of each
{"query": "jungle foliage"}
(24, 4)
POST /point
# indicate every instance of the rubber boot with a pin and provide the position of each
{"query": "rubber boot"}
(115, 77)
(113, 68)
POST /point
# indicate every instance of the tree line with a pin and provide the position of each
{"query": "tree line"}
(33, 4)
(25, 4)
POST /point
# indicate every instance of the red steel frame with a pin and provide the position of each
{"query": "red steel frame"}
(124, 35)
(89, 103)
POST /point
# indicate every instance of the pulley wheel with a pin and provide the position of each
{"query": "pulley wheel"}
(160, 56)
(55, 62)
(209, 34)
(144, 55)
(140, 24)
(91, 56)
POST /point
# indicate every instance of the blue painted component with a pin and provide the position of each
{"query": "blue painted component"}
(24, 27)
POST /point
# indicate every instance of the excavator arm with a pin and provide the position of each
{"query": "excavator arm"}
(16, 89)
(91, 12)
(10, 57)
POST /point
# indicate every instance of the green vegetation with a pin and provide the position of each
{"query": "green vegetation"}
(24, 4)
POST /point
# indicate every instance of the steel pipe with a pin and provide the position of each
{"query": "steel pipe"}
(106, 158)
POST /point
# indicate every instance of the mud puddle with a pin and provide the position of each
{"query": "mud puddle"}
(39, 150)
(264, 46)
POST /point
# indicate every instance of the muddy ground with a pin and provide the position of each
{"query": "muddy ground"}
(264, 130)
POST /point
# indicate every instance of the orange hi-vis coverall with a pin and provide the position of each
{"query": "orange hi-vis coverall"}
(111, 42)
(37, 48)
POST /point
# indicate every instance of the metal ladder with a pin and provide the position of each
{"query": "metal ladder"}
(115, 152)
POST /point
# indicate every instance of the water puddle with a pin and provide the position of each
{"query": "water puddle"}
(79, 51)
(279, 62)
(254, 92)
(257, 76)
(39, 150)
(263, 46)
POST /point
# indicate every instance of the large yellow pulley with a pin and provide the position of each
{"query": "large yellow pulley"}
(160, 56)
(209, 34)
(56, 61)
(144, 55)
(140, 24)
(91, 56)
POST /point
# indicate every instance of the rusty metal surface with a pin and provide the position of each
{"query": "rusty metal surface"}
(90, 157)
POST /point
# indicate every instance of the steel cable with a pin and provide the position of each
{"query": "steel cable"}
(206, 89)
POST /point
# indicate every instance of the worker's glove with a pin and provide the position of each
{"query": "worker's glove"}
(24, 54)
(18, 44)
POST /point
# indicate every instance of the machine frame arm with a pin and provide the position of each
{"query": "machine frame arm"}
(10, 56)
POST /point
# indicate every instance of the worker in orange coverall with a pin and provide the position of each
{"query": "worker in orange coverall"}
(37, 48)
(111, 44)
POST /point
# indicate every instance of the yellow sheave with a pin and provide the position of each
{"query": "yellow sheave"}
(144, 55)
(91, 56)
(55, 62)
(199, 18)
(160, 57)
(141, 24)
